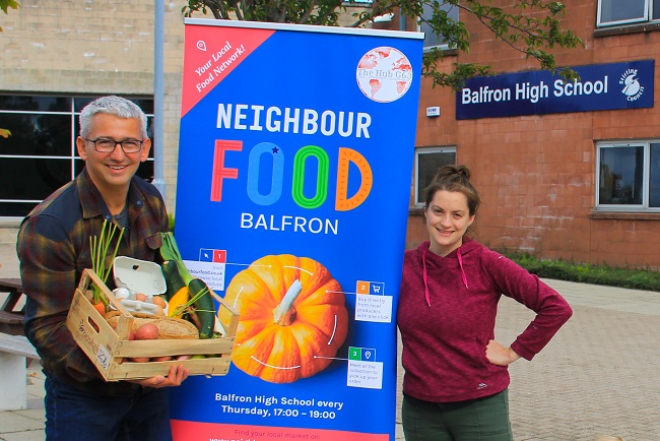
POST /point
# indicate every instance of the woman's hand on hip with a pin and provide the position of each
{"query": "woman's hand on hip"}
(500, 355)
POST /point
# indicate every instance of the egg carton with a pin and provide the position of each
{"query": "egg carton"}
(133, 277)
(139, 276)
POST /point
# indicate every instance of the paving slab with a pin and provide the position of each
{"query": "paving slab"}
(596, 377)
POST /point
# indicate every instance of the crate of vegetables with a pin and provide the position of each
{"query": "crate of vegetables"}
(125, 344)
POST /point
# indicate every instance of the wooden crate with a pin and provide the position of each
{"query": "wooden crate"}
(108, 348)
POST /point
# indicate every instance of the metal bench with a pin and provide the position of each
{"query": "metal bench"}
(15, 352)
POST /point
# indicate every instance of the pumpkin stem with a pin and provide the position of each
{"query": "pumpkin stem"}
(284, 314)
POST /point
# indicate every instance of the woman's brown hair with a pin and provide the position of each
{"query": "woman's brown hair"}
(454, 178)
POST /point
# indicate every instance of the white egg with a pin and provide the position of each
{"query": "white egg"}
(121, 293)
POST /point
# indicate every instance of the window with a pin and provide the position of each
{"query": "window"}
(618, 12)
(40, 154)
(628, 176)
(430, 39)
(427, 162)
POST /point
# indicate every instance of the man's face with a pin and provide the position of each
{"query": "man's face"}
(112, 171)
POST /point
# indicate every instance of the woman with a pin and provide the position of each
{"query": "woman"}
(456, 377)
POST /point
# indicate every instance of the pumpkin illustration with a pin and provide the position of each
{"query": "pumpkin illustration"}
(293, 318)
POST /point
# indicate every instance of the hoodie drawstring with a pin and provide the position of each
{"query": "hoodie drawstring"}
(425, 277)
(426, 283)
(460, 263)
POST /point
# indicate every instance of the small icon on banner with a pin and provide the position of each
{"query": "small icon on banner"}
(354, 353)
(362, 287)
(377, 288)
(201, 45)
(361, 354)
(372, 288)
(210, 255)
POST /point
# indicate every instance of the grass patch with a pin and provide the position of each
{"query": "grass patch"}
(647, 280)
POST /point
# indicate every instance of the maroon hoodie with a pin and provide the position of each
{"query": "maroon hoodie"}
(446, 316)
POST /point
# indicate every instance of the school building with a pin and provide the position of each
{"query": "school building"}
(567, 171)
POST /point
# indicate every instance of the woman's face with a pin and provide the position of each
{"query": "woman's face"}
(447, 220)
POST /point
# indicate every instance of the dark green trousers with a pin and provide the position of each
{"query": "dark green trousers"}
(483, 419)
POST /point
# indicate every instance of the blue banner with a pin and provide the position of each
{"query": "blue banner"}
(600, 87)
(292, 202)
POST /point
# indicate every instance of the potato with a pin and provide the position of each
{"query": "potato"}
(148, 331)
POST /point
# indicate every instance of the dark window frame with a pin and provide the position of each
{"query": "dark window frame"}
(419, 186)
(42, 167)
(423, 27)
(648, 12)
(615, 191)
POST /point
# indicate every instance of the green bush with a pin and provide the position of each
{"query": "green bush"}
(648, 280)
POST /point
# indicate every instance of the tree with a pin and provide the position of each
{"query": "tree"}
(529, 26)
(6, 4)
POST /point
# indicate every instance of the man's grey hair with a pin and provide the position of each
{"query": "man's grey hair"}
(111, 105)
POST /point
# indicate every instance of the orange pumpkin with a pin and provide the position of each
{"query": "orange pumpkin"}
(293, 318)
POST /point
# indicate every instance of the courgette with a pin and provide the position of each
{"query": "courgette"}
(199, 292)
(173, 278)
(177, 301)
(204, 306)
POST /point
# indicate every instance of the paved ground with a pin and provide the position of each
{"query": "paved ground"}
(597, 376)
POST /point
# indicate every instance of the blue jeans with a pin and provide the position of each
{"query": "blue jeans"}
(73, 415)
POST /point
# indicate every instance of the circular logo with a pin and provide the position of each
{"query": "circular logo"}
(384, 74)
(631, 85)
(632, 89)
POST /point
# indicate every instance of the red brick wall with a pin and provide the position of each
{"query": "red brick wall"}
(536, 173)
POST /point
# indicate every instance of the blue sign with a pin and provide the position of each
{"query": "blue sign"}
(600, 87)
(292, 203)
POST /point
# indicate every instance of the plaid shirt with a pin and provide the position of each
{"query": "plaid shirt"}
(53, 248)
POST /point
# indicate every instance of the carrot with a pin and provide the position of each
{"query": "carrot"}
(193, 317)
(100, 307)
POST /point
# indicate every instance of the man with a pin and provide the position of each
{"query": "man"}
(53, 248)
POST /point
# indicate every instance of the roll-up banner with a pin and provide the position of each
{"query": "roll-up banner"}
(293, 189)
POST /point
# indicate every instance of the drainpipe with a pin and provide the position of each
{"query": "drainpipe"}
(159, 94)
